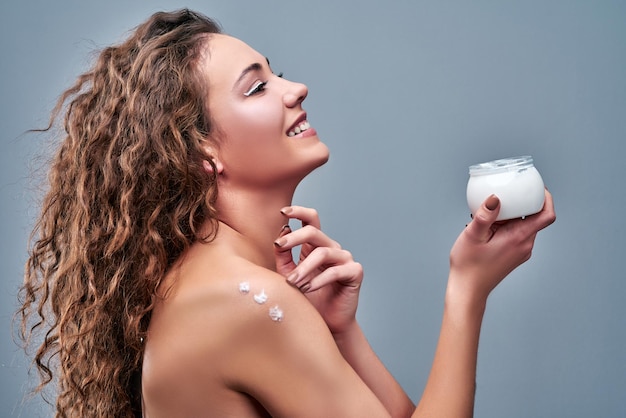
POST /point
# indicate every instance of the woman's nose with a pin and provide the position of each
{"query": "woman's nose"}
(295, 94)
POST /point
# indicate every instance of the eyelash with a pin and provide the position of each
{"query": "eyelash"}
(259, 87)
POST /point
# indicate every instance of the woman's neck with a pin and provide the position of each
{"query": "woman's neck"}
(251, 222)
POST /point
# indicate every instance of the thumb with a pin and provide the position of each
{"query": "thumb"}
(483, 219)
(283, 256)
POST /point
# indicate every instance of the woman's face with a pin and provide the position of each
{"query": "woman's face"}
(265, 138)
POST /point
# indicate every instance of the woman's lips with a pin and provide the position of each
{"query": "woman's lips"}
(299, 129)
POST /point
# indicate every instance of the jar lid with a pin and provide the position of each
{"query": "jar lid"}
(504, 164)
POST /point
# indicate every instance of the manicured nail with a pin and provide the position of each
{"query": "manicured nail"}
(492, 202)
(305, 287)
(286, 210)
(293, 277)
(284, 230)
(280, 242)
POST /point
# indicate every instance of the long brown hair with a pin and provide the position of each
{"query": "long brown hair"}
(126, 196)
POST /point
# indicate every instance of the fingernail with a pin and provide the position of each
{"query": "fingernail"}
(492, 202)
(305, 287)
(292, 277)
(280, 242)
(286, 210)
(285, 230)
(471, 216)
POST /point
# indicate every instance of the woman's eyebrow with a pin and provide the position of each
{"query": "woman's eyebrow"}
(252, 67)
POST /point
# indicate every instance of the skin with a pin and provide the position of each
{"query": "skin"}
(212, 351)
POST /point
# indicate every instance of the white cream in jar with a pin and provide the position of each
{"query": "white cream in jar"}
(515, 181)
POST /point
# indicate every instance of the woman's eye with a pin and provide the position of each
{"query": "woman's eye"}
(257, 88)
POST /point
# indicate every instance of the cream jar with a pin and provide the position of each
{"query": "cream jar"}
(515, 181)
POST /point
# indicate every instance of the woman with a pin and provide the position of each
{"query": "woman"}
(161, 271)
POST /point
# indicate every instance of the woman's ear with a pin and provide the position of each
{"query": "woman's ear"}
(213, 166)
(212, 163)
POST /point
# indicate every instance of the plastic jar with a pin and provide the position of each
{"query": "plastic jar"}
(515, 181)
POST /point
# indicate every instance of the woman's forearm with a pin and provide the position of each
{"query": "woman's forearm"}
(357, 351)
(451, 385)
(450, 388)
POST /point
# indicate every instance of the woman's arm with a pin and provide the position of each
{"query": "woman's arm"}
(451, 384)
(357, 351)
(330, 279)
(482, 256)
(292, 367)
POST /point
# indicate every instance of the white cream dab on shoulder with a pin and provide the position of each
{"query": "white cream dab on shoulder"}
(244, 287)
(260, 298)
(276, 314)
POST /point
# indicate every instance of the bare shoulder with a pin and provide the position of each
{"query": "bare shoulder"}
(224, 303)
(236, 329)
(205, 332)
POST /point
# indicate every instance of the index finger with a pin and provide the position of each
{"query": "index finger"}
(308, 216)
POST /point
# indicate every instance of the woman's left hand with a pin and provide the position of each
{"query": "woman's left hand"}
(326, 274)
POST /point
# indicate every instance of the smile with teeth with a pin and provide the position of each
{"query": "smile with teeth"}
(300, 128)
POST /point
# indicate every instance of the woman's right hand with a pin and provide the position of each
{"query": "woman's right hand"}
(487, 251)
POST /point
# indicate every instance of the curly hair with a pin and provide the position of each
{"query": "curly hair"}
(126, 195)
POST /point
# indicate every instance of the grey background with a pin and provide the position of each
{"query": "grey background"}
(406, 94)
